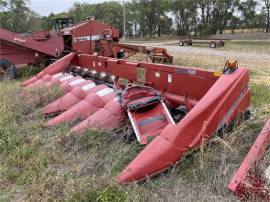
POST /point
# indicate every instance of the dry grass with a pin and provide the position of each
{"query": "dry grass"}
(36, 166)
(255, 46)
(247, 46)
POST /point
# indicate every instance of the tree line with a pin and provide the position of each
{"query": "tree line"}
(149, 17)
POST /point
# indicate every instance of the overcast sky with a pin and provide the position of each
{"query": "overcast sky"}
(45, 7)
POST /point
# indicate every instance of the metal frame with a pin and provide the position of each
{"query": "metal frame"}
(244, 184)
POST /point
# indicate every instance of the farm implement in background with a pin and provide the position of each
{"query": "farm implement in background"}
(17, 50)
(251, 181)
(93, 37)
(213, 43)
(156, 55)
(88, 37)
(172, 109)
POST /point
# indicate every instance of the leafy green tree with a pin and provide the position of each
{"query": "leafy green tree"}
(107, 12)
(266, 10)
(185, 16)
(215, 15)
(234, 23)
(132, 24)
(147, 17)
(151, 15)
(248, 12)
(14, 15)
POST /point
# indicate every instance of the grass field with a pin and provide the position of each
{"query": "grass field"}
(47, 164)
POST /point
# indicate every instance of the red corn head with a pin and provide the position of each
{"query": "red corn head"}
(92, 103)
(106, 118)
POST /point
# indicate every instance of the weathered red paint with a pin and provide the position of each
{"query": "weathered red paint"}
(72, 98)
(244, 184)
(106, 118)
(212, 100)
(85, 34)
(88, 37)
(89, 105)
(146, 110)
(20, 49)
(46, 74)
(157, 55)
(68, 86)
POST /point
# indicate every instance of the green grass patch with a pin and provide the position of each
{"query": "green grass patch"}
(102, 194)
(247, 46)
(28, 71)
(260, 95)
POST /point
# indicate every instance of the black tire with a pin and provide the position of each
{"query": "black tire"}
(181, 43)
(220, 43)
(186, 43)
(213, 44)
(247, 115)
(7, 70)
(189, 42)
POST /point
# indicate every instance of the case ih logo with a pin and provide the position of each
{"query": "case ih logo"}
(19, 40)
(185, 71)
(87, 38)
(82, 38)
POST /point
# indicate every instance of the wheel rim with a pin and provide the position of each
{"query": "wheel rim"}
(212, 45)
(4, 71)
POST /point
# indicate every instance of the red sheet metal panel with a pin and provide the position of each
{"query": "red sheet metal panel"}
(214, 100)
(86, 34)
(47, 73)
(146, 110)
(199, 124)
(18, 54)
(243, 183)
(52, 47)
(178, 80)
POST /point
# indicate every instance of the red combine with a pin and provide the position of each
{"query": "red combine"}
(172, 109)
(249, 182)
(93, 37)
(88, 37)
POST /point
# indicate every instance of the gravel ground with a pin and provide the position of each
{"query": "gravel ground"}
(177, 50)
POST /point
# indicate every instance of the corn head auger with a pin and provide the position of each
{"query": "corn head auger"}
(172, 109)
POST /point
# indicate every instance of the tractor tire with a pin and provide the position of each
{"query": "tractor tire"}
(247, 115)
(7, 70)
(181, 43)
(213, 44)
